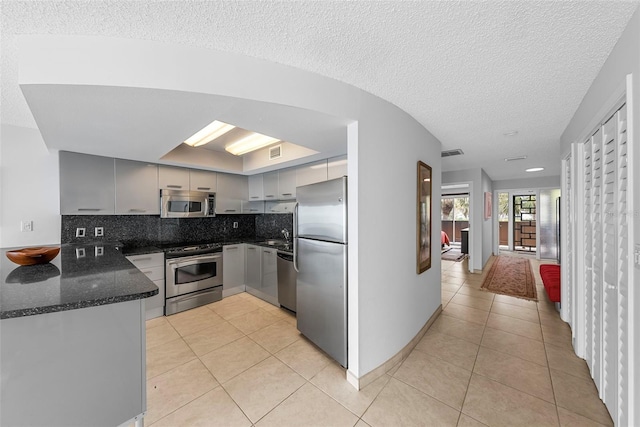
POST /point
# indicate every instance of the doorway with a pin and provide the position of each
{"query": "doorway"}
(503, 221)
(455, 216)
(524, 223)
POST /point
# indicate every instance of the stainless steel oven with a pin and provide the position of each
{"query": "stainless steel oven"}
(192, 281)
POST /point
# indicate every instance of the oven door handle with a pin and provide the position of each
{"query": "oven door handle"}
(175, 264)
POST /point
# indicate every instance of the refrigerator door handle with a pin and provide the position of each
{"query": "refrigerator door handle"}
(295, 238)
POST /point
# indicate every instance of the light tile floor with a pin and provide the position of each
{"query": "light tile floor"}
(487, 360)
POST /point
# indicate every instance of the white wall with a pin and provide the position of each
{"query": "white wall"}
(487, 224)
(30, 189)
(533, 182)
(623, 60)
(481, 231)
(388, 302)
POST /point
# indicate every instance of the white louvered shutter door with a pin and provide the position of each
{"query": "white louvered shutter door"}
(596, 218)
(624, 267)
(588, 254)
(567, 230)
(609, 389)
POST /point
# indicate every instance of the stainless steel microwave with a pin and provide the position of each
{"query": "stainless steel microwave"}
(187, 204)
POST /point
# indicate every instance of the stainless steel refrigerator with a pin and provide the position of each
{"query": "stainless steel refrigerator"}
(320, 257)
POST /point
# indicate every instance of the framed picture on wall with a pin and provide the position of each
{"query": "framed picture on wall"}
(487, 205)
(423, 218)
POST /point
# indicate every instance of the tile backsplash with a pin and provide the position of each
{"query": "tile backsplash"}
(145, 230)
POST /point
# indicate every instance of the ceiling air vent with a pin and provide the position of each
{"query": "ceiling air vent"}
(275, 152)
(511, 159)
(450, 153)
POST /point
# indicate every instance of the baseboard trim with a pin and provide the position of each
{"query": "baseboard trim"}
(390, 364)
(232, 291)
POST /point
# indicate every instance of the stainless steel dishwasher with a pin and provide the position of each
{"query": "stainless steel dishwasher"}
(287, 277)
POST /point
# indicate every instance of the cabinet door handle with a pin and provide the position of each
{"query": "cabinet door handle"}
(174, 186)
(229, 210)
(254, 197)
(287, 194)
(204, 188)
(137, 210)
(269, 195)
(89, 209)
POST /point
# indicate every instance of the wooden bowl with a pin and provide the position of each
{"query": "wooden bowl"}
(31, 256)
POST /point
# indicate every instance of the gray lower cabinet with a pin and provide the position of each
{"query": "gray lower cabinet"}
(261, 277)
(270, 274)
(152, 265)
(136, 188)
(81, 367)
(233, 269)
(253, 278)
(87, 184)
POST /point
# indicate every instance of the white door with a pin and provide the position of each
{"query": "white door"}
(588, 254)
(609, 266)
(597, 262)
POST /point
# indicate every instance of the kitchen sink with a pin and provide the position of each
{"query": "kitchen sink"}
(278, 244)
(274, 242)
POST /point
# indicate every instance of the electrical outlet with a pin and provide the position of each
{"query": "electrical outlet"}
(99, 231)
(80, 253)
(26, 226)
(80, 232)
(99, 250)
(235, 225)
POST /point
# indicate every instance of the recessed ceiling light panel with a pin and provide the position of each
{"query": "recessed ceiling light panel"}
(534, 170)
(207, 134)
(250, 143)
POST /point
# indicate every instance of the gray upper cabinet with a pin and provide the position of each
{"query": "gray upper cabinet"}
(136, 188)
(173, 178)
(270, 185)
(287, 183)
(256, 187)
(87, 186)
(200, 180)
(233, 191)
(280, 206)
(337, 167)
(311, 173)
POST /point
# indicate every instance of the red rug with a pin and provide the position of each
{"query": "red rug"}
(511, 276)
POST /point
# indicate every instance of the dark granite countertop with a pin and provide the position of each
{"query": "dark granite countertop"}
(80, 276)
(129, 249)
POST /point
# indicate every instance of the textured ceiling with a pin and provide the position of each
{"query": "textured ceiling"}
(468, 71)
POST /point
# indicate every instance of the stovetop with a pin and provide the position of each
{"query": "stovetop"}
(197, 249)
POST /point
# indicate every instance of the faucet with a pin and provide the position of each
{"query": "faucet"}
(285, 233)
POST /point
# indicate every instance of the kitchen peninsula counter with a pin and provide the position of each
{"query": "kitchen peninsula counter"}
(80, 276)
(72, 339)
